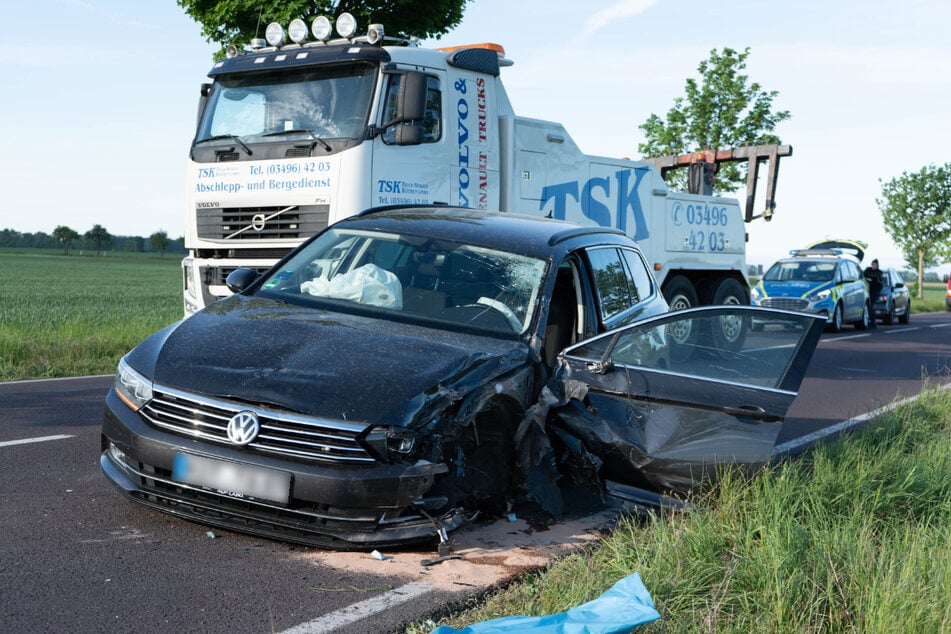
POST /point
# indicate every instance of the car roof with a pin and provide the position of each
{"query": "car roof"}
(534, 236)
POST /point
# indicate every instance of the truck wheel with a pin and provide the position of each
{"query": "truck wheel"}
(730, 292)
(680, 294)
(730, 330)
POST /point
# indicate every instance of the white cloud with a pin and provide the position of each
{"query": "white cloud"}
(617, 11)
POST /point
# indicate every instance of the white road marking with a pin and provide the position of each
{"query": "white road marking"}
(27, 441)
(939, 325)
(900, 330)
(353, 613)
(845, 425)
(844, 338)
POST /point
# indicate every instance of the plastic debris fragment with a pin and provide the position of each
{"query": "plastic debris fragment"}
(626, 605)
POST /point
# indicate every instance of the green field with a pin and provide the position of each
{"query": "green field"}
(69, 316)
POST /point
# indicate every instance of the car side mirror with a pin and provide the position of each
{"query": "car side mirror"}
(240, 279)
(900, 285)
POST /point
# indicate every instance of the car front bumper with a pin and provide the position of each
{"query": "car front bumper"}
(329, 506)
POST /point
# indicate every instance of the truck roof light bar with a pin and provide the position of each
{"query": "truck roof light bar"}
(346, 25)
(274, 34)
(297, 31)
(321, 28)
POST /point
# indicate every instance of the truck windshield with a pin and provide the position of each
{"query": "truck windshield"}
(326, 102)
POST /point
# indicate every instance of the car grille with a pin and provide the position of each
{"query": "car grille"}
(261, 223)
(785, 303)
(286, 434)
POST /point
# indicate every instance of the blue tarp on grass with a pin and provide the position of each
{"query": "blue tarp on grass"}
(626, 605)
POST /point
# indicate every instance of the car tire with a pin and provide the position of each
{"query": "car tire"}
(864, 323)
(836, 324)
(903, 319)
(889, 317)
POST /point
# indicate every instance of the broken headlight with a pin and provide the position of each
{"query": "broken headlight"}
(389, 444)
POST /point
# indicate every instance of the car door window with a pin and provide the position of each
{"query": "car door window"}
(641, 284)
(726, 349)
(621, 281)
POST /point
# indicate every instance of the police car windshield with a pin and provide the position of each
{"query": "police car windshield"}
(801, 271)
(322, 102)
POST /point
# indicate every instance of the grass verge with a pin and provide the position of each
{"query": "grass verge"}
(852, 537)
(69, 316)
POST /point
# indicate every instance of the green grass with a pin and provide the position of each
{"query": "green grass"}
(69, 316)
(852, 538)
(933, 299)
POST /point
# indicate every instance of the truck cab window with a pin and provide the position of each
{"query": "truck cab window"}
(432, 123)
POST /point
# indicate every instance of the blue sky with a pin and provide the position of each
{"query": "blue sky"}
(100, 99)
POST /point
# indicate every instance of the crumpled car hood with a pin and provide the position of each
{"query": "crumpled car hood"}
(330, 364)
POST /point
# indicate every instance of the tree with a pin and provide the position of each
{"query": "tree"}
(723, 110)
(99, 235)
(237, 21)
(65, 235)
(916, 212)
(159, 240)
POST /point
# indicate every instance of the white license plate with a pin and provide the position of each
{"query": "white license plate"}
(232, 478)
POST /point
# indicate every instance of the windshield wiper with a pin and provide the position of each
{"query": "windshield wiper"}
(231, 137)
(309, 133)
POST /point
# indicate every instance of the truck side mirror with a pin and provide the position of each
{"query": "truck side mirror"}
(411, 108)
(203, 101)
(411, 98)
(409, 134)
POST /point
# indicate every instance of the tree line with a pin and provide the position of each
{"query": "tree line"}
(96, 239)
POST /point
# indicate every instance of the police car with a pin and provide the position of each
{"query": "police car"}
(824, 278)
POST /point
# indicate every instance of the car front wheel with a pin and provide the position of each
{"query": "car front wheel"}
(889, 317)
(836, 324)
(864, 323)
(905, 316)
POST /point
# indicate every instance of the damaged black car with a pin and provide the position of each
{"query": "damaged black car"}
(406, 368)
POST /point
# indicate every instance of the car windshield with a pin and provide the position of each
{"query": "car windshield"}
(443, 283)
(327, 102)
(801, 271)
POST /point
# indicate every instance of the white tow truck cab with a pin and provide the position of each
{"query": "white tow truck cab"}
(293, 137)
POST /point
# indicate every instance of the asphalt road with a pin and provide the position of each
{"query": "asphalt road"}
(76, 556)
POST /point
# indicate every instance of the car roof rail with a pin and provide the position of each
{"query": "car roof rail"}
(381, 208)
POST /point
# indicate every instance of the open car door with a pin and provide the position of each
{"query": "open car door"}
(660, 410)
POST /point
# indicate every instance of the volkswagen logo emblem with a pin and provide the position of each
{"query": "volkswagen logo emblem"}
(243, 427)
(258, 222)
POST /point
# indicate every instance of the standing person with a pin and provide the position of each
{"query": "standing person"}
(874, 278)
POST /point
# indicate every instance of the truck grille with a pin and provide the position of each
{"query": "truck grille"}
(286, 434)
(785, 303)
(261, 223)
